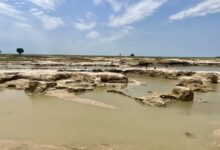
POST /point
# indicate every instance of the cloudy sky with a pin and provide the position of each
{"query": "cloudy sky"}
(110, 27)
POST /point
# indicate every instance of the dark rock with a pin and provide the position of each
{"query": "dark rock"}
(114, 70)
(143, 63)
(39, 87)
(195, 85)
(213, 78)
(60, 76)
(97, 70)
(183, 93)
(113, 79)
(6, 78)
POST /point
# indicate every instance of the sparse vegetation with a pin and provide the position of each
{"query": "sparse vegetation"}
(13, 59)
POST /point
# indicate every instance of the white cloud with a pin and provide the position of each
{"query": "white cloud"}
(115, 4)
(46, 4)
(201, 9)
(116, 35)
(93, 35)
(10, 11)
(49, 22)
(136, 12)
(22, 25)
(84, 25)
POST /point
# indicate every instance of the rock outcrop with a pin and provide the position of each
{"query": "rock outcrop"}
(212, 77)
(177, 94)
(195, 85)
(62, 85)
(182, 93)
(162, 99)
(113, 79)
(39, 87)
(19, 84)
(74, 80)
(9, 77)
(153, 100)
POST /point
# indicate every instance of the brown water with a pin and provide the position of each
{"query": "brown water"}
(195, 68)
(132, 127)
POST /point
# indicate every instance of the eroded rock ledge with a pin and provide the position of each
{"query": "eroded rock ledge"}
(66, 84)
(212, 77)
(162, 99)
(63, 85)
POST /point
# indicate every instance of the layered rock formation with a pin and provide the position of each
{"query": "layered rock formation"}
(196, 85)
(62, 85)
(162, 99)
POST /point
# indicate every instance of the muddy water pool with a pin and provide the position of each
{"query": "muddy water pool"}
(133, 126)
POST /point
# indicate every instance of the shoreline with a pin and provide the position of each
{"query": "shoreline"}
(51, 74)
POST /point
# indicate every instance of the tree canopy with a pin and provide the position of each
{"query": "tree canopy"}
(20, 51)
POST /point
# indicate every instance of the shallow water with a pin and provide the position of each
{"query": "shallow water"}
(59, 67)
(132, 127)
(103, 68)
(196, 68)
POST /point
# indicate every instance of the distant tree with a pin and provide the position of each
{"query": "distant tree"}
(20, 51)
(132, 55)
(0, 51)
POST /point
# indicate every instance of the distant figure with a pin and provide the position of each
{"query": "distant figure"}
(120, 59)
(155, 68)
(20, 51)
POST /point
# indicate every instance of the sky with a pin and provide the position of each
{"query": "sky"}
(111, 27)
